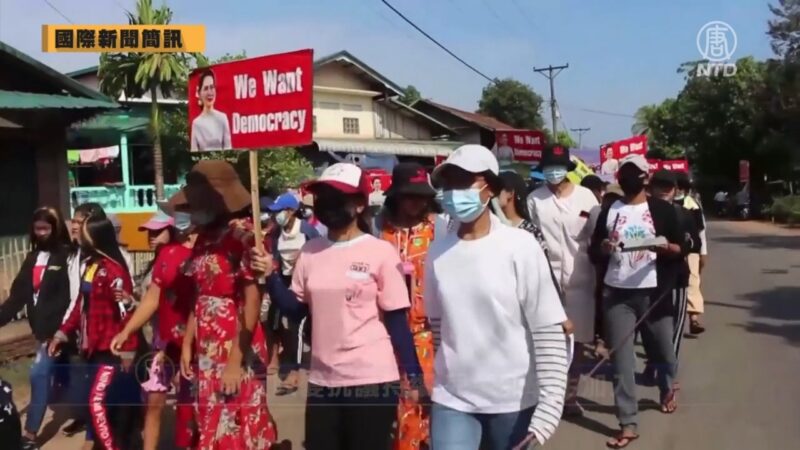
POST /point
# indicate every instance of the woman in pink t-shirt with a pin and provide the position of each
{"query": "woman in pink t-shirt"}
(352, 285)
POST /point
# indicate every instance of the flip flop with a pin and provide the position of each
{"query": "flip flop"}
(622, 440)
(669, 402)
(285, 389)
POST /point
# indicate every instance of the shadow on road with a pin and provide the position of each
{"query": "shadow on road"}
(763, 241)
(779, 303)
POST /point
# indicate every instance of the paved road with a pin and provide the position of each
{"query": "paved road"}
(739, 381)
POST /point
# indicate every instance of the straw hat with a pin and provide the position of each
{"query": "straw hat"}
(214, 185)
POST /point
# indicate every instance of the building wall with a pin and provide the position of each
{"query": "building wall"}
(52, 171)
(337, 76)
(392, 124)
(330, 110)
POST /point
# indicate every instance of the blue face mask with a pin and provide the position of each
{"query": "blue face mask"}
(183, 221)
(554, 174)
(463, 205)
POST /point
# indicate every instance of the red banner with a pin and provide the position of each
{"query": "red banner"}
(675, 165)
(523, 146)
(655, 164)
(744, 171)
(611, 153)
(252, 103)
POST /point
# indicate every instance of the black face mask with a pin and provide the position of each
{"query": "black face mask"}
(631, 184)
(334, 214)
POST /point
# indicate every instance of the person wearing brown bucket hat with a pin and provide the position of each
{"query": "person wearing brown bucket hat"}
(222, 331)
(407, 222)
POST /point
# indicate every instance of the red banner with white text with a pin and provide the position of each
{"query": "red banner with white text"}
(524, 146)
(252, 103)
(613, 152)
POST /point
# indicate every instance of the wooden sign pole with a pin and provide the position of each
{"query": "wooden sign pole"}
(255, 199)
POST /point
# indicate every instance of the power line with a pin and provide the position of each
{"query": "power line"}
(580, 132)
(56, 10)
(600, 111)
(410, 22)
(524, 13)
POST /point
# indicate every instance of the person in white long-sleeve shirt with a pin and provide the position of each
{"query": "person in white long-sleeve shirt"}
(501, 353)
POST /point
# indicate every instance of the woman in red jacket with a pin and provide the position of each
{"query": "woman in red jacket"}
(101, 314)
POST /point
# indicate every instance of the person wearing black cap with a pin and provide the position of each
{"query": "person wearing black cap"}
(638, 286)
(697, 260)
(407, 221)
(561, 209)
(663, 184)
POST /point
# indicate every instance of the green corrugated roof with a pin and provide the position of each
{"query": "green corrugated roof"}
(114, 121)
(27, 100)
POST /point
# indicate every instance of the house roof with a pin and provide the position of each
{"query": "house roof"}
(347, 57)
(27, 100)
(58, 83)
(81, 72)
(478, 119)
(397, 104)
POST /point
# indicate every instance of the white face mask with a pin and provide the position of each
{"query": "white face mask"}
(183, 221)
(282, 218)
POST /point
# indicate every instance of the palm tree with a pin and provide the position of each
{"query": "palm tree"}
(136, 74)
(643, 120)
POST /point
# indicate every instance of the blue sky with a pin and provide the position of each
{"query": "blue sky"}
(622, 53)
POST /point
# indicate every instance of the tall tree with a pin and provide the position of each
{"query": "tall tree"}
(137, 74)
(512, 102)
(410, 95)
(784, 29)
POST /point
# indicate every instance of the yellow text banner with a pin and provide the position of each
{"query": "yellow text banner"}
(123, 38)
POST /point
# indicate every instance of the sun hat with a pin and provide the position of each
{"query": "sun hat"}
(410, 178)
(159, 221)
(556, 155)
(638, 160)
(170, 205)
(344, 177)
(214, 183)
(471, 157)
(287, 200)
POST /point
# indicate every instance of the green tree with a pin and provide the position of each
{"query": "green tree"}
(137, 74)
(564, 138)
(410, 95)
(784, 29)
(512, 102)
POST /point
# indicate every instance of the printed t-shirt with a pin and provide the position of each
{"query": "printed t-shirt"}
(289, 245)
(489, 294)
(346, 286)
(636, 269)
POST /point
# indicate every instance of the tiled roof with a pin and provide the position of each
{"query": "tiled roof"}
(478, 119)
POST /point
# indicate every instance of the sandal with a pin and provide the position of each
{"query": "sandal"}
(622, 440)
(695, 327)
(285, 389)
(669, 402)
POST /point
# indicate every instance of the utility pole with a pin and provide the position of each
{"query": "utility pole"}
(551, 74)
(580, 132)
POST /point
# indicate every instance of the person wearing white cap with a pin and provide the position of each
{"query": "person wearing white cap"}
(637, 288)
(501, 360)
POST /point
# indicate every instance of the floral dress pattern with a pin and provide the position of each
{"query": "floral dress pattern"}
(413, 421)
(219, 266)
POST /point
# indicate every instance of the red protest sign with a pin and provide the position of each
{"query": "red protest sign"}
(744, 171)
(252, 103)
(523, 146)
(676, 165)
(611, 153)
(655, 165)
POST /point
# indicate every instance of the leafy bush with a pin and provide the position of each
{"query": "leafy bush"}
(786, 209)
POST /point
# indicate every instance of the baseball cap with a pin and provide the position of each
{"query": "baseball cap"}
(638, 160)
(471, 157)
(344, 177)
(664, 177)
(158, 221)
(286, 200)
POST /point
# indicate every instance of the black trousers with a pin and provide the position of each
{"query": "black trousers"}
(290, 336)
(352, 418)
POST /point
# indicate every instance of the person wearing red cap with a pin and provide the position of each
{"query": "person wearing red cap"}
(352, 286)
(168, 298)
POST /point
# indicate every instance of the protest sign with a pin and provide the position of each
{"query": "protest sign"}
(524, 146)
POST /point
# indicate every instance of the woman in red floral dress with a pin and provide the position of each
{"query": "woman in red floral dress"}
(230, 349)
